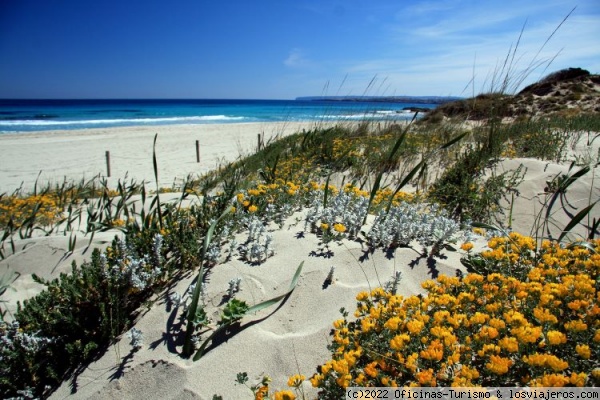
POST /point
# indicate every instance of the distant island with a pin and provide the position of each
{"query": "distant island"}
(384, 99)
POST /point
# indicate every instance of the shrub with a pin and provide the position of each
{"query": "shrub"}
(481, 330)
(78, 315)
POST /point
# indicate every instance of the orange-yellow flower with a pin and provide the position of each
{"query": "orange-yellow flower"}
(340, 228)
(584, 351)
(467, 246)
(555, 338)
(371, 369)
(296, 380)
(415, 326)
(509, 344)
(498, 365)
(284, 395)
(578, 379)
(398, 342)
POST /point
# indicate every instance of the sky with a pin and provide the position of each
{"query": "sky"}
(282, 49)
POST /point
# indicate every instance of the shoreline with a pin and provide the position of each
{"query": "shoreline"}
(56, 155)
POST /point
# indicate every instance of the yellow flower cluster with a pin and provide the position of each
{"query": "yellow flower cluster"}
(493, 330)
(262, 391)
(383, 196)
(509, 150)
(18, 209)
(259, 196)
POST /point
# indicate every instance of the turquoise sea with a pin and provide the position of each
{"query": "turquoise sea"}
(40, 115)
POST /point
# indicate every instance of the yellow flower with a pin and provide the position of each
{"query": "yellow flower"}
(584, 351)
(414, 326)
(467, 246)
(340, 228)
(316, 380)
(296, 380)
(261, 393)
(426, 377)
(550, 380)
(324, 226)
(371, 369)
(578, 379)
(555, 338)
(398, 342)
(509, 344)
(576, 325)
(435, 351)
(252, 208)
(284, 395)
(392, 323)
(362, 296)
(498, 365)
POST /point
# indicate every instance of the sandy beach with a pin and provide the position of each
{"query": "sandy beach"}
(77, 154)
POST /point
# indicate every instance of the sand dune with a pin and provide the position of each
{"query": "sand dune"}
(279, 342)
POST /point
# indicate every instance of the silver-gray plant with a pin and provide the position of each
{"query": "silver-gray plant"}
(259, 244)
(234, 287)
(136, 338)
(344, 208)
(139, 272)
(426, 224)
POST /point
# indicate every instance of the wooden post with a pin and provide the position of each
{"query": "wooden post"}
(259, 142)
(108, 163)
(197, 151)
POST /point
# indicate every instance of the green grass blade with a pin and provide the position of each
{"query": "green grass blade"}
(421, 165)
(582, 243)
(155, 166)
(326, 192)
(575, 220)
(274, 300)
(452, 141)
(562, 188)
(489, 227)
(187, 345)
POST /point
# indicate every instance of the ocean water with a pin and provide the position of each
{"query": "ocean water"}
(40, 115)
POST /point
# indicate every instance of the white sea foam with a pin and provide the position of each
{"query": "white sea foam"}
(128, 121)
(370, 115)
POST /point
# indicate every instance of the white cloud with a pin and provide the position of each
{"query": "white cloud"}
(296, 59)
(443, 58)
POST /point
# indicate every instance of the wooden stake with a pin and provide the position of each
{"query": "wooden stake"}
(197, 151)
(108, 163)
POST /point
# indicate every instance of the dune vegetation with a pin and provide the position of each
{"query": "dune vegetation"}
(525, 313)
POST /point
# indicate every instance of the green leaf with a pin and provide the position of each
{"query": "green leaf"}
(274, 300)
(187, 345)
(488, 227)
(406, 179)
(575, 220)
(582, 243)
(452, 141)
(234, 311)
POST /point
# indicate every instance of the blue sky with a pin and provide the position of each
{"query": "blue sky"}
(281, 49)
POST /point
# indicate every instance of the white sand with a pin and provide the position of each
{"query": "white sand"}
(291, 340)
(81, 153)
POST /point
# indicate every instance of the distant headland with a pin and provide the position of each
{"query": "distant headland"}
(384, 99)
